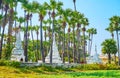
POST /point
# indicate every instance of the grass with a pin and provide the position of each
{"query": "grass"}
(48, 72)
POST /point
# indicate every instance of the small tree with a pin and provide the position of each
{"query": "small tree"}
(109, 47)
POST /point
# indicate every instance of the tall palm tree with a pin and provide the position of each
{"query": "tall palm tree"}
(91, 32)
(4, 22)
(111, 30)
(85, 23)
(109, 47)
(69, 44)
(53, 6)
(36, 28)
(34, 5)
(78, 34)
(64, 14)
(74, 23)
(115, 22)
(42, 13)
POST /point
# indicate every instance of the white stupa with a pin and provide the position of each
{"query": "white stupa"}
(55, 55)
(94, 59)
(18, 52)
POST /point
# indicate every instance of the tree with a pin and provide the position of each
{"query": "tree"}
(109, 47)
(111, 30)
(53, 6)
(80, 16)
(64, 14)
(115, 22)
(91, 32)
(36, 28)
(4, 22)
(42, 13)
(85, 23)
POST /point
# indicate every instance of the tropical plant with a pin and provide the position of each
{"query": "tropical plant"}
(91, 32)
(115, 22)
(109, 47)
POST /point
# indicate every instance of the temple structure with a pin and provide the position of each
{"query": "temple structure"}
(55, 55)
(95, 58)
(18, 52)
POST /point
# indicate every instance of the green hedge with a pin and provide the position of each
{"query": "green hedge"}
(9, 63)
(97, 67)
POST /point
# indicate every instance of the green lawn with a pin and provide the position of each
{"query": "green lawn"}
(44, 72)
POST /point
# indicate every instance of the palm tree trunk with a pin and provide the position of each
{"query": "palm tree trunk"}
(89, 45)
(63, 54)
(109, 58)
(74, 45)
(74, 1)
(118, 47)
(112, 34)
(10, 34)
(1, 14)
(78, 46)
(115, 58)
(1, 43)
(53, 16)
(84, 44)
(52, 43)
(68, 47)
(41, 43)
(91, 42)
(26, 43)
(32, 32)
(37, 53)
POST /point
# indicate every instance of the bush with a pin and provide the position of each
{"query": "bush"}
(9, 63)
(97, 67)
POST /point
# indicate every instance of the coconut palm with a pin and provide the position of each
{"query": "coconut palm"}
(53, 6)
(111, 30)
(109, 47)
(69, 44)
(74, 23)
(115, 22)
(85, 23)
(4, 22)
(36, 28)
(42, 13)
(91, 32)
(78, 34)
(64, 17)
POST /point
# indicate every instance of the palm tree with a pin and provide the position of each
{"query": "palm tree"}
(108, 47)
(64, 14)
(74, 23)
(42, 13)
(78, 34)
(91, 32)
(4, 22)
(36, 28)
(53, 6)
(115, 22)
(69, 45)
(34, 5)
(85, 23)
(111, 30)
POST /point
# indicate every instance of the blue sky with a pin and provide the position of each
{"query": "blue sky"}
(97, 11)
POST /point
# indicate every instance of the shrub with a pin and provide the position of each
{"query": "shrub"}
(97, 67)
(9, 63)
